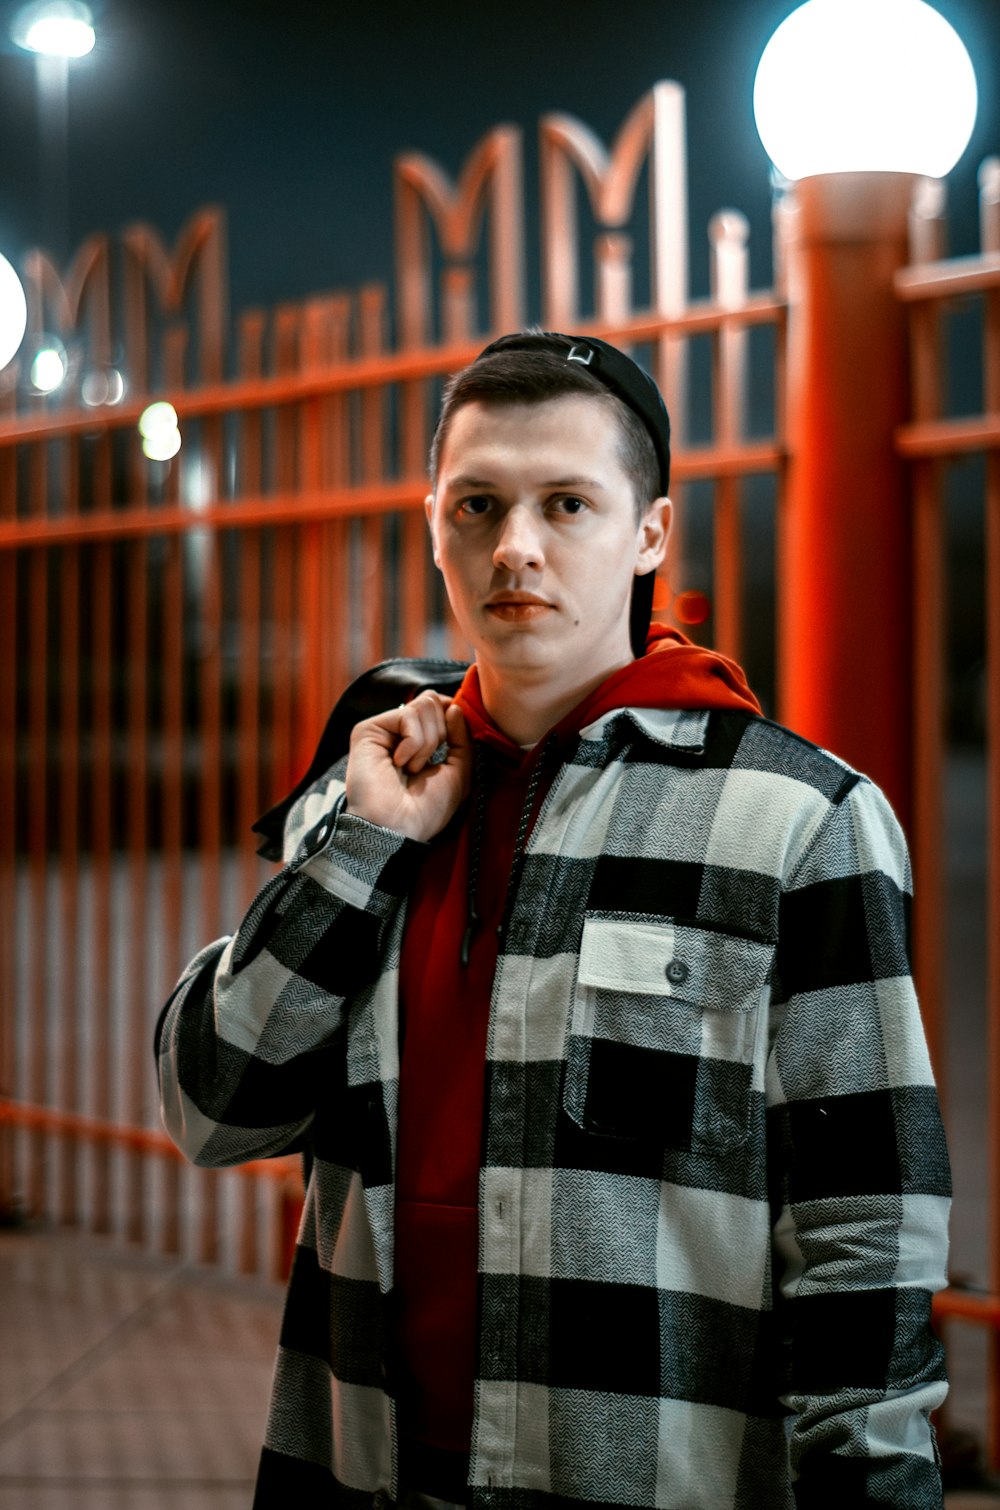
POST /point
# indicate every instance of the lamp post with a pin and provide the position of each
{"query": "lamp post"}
(54, 31)
(854, 99)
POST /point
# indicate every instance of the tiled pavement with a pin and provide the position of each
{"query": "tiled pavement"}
(129, 1383)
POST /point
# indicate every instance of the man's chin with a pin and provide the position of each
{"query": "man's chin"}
(511, 652)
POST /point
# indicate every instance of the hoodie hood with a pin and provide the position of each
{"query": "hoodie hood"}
(673, 673)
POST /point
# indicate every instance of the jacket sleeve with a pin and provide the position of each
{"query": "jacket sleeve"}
(862, 1180)
(245, 1040)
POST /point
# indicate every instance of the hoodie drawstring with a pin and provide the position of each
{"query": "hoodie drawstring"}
(472, 915)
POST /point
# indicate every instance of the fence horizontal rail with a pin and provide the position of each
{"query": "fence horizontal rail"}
(967, 1305)
(949, 437)
(366, 372)
(46, 1119)
(950, 279)
(319, 505)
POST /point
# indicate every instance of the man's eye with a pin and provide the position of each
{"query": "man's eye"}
(570, 504)
(477, 504)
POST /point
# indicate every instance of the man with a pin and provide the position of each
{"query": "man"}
(590, 988)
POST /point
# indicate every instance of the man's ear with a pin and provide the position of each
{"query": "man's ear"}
(654, 532)
(429, 512)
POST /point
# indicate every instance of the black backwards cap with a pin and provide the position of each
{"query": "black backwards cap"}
(638, 392)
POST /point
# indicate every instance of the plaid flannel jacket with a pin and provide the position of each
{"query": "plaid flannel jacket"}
(714, 1185)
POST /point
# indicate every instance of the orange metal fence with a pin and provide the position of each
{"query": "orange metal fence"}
(172, 634)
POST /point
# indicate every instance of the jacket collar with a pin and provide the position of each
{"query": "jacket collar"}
(675, 728)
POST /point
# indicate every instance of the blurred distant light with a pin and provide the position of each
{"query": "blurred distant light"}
(156, 419)
(162, 447)
(13, 312)
(57, 28)
(865, 85)
(49, 368)
(692, 607)
(161, 437)
(102, 386)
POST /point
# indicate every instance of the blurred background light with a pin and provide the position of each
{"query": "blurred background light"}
(865, 85)
(692, 607)
(102, 385)
(56, 28)
(49, 366)
(13, 312)
(161, 437)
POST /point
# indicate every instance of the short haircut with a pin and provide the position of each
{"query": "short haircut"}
(535, 377)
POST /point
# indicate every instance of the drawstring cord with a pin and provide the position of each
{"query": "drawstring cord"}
(473, 918)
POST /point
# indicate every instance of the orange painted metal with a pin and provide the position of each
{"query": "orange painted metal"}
(133, 1050)
(929, 619)
(967, 1305)
(729, 233)
(100, 860)
(310, 588)
(38, 832)
(8, 809)
(70, 956)
(989, 183)
(228, 599)
(283, 770)
(311, 506)
(844, 586)
(116, 1135)
(171, 819)
(248, 799)
(209, 807)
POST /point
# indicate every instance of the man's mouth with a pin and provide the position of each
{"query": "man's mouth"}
(518, 607)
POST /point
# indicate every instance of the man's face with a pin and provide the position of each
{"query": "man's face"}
(535, 530)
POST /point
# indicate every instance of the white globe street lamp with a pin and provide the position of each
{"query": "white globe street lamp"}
(13, 312)
(55, 28)
(865, 85)
(855, 101)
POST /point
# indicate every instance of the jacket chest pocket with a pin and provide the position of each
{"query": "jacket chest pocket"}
(664, 1033)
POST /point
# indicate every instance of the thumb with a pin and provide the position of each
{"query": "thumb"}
(456, 730)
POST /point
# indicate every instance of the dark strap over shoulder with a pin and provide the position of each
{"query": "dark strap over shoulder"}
(384, 686)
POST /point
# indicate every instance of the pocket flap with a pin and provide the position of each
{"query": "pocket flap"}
(697, 965)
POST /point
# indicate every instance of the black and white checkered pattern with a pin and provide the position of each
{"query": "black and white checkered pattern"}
(714, 1185)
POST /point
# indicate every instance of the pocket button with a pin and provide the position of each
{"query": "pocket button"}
(677, 972)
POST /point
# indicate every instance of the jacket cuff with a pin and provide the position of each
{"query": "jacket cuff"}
(352, 858)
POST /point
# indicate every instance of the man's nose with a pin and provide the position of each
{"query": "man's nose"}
(519, 542)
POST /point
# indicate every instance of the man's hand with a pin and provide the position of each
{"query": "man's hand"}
(389, 778)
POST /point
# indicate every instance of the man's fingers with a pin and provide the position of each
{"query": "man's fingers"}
(422, 729)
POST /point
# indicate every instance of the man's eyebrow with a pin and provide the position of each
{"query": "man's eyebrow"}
(464, 481)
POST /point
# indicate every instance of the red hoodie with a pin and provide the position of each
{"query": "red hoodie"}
(444, 1009)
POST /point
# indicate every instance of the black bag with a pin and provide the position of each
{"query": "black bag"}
(384, 686)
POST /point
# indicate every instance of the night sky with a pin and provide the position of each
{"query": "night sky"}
(290, 115)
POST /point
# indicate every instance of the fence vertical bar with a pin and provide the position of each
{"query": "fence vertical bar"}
(8, 809)
(69, 850)
(728, 234)
(135, 1045)
(929, 621)
(250, 357)
(210, 785)
(38, 747)
(100, 808)
(172, 831)
(283, 764)
(989, 187)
